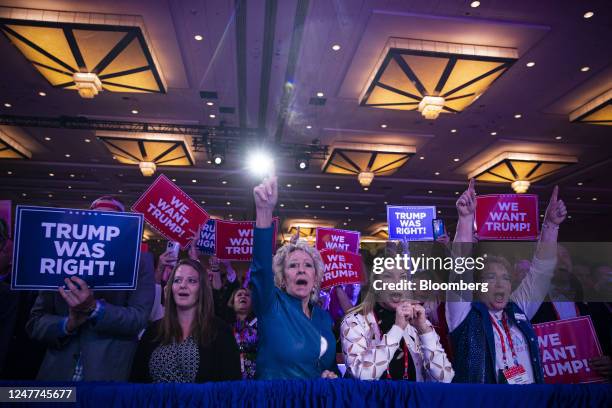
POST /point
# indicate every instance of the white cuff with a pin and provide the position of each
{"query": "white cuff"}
(429, 340)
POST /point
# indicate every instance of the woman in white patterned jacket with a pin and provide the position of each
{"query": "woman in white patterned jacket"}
(388, 337)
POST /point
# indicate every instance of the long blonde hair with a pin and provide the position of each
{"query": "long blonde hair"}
(366, 306)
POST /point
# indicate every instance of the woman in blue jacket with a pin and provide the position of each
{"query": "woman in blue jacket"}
(296, 338)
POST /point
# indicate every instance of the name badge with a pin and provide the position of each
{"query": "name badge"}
(520, 316)
(516, 374)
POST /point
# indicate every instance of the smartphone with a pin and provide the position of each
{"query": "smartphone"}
(174, 248)
(438, 227)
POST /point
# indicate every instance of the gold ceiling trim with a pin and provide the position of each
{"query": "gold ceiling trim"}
(433, 77)
(521, 169)
(144, 149)
(63, 45)
(597, 111)
(11, 149)
(366, 160)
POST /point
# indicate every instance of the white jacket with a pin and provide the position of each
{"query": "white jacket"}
(367, 353)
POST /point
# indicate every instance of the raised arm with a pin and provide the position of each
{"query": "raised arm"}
(533, 289)
(458, 304)
(262, 276)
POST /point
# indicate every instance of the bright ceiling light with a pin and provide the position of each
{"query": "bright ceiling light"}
(530, 64)
(493, 133)
(147, 168)
(198, 37)
(320, 94)
(431, 106)
(308, 127)
(260, 163)
(585, 69)
(134, 112)
(87, 141)
(384, 126)
(365, 178)
(453, 130)
(41, 93)
(212, 116)
(474, 4)
(336, 47)
(7, 105)
(518, 116)
(209, 103)
(520, 186)
(588, 14)
(87, 83)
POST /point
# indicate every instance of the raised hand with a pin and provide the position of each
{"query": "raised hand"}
(419, 319)
(466, 204)
(403, 314)
(194, 252)
(266, 196)
(556, 210)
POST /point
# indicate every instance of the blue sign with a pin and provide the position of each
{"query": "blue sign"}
(51, 244)
(206, 243)
(410, 223)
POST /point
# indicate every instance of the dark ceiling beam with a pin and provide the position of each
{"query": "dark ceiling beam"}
(266, 61)
(241, 68)
(294, 53)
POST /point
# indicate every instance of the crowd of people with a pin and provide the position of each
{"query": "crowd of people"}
(197, 319)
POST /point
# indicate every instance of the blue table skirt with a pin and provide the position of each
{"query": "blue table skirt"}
(332, 394)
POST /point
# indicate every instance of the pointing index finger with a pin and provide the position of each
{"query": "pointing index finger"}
(555, 194)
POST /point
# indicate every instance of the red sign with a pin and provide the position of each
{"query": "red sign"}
(507, 217)
(340, 240)
(5, 214)
(341, 268)
(234, 239)
(565, 347)
(171, 211)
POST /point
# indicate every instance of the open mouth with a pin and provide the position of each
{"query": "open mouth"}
(301, 282)
(183, 295)
(499, 297)
(242, 301)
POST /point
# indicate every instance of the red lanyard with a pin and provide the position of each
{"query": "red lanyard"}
(501, 339)
(404, 348)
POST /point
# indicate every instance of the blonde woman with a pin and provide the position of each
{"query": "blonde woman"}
(388, 336)
(295, 334)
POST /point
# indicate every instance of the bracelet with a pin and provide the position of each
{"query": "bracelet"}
(550, 226)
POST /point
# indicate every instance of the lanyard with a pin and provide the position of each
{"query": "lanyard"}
(501, 339)
(404, 348)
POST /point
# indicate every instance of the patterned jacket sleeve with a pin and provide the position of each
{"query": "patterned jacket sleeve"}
(436, 365)
(367, 360)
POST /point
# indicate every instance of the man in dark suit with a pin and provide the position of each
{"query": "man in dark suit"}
(92, 336)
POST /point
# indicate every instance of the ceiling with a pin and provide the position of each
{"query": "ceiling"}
(267, 59)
